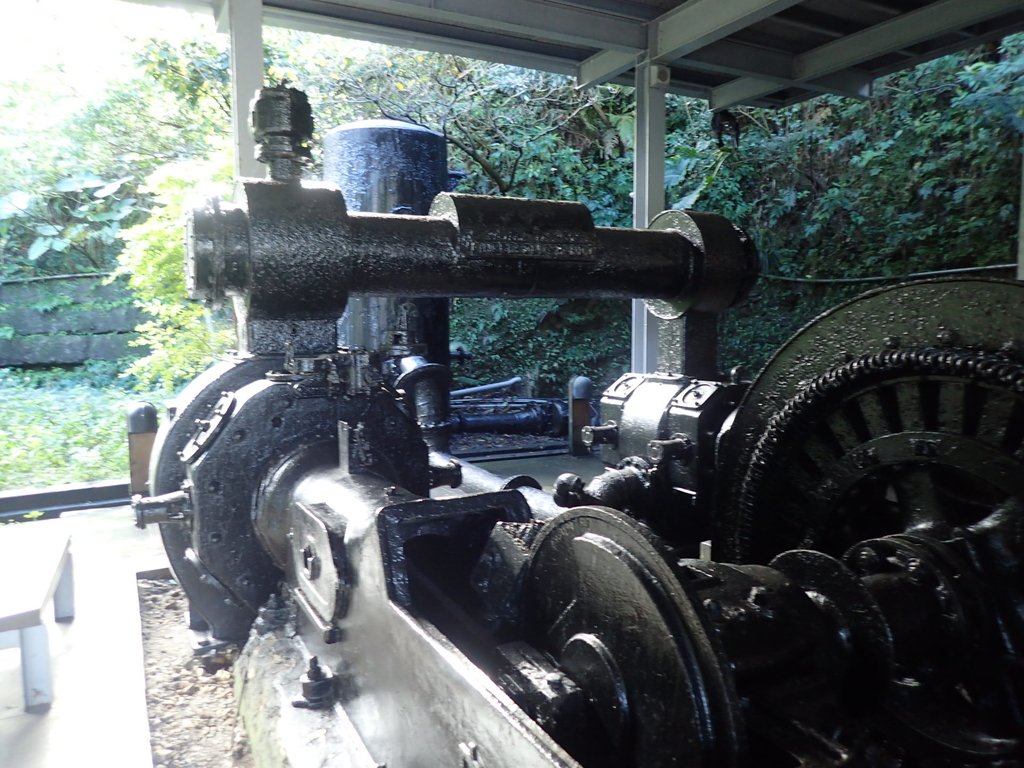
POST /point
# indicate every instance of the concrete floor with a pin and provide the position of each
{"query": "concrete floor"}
(98, 715)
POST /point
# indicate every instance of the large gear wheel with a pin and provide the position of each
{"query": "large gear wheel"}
(900, 410)
(900, 441)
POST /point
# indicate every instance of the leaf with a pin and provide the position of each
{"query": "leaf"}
(78, 183)
(110, 188)
(688, 201)
(39, 246)
(961, 192)
(47, 230)
(15, 204)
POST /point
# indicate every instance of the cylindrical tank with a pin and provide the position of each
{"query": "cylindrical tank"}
(387, 166)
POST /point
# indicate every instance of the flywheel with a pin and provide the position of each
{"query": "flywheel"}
(602, 600)
(901, 411)
(900, 441)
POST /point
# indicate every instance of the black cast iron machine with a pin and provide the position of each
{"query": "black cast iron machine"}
(821, 567)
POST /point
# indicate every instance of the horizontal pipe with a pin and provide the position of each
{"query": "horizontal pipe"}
(493, 387)
(295, 253)
(477, 480)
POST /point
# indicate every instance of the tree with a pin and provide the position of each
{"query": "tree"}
(181, 336)
(921, 176)
(70, 187)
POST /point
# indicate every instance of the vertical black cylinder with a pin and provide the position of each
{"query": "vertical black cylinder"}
(386, 166)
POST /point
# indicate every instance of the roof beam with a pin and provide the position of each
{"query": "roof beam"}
(697, 23)
(688, 28)
(604, 66)
(749, 61)
(328, 25)
(532, 19)
(932, 21)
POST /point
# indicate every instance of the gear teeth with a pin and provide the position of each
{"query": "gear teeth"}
(806, 410)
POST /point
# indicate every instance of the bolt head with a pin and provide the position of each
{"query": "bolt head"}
(866, 562)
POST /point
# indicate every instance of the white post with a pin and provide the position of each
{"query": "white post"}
(648, 191)
(243, 21)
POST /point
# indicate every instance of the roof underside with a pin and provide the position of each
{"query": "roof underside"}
(756, 52)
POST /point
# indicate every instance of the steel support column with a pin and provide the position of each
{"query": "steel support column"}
(648, 191)
(1020, 225)
(243, 21)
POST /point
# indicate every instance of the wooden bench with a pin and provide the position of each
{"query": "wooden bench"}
(35, 568)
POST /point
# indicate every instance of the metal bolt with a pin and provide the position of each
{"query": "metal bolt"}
(712, 607)
(606, 434)
(917, 573)
(568, 489)
(866, 562)
(317, 687)
(310, 562)
(761, 596)
(555, 681)
(677, 447)
(470, 754)
(926, 448)
(866, 457)
(315, 672)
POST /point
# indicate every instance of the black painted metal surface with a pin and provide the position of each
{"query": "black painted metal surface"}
(295, 254)
(908, 392)
(492, 628)
(387, 166)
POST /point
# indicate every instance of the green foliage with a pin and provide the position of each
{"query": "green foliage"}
(914, 178)
(517, 132)
(68, 183)
(922, 176)
(62, 427)
(182, 337)
(547, 341)
(69, 227)
(195, 72)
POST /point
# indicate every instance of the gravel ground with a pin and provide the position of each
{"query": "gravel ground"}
(192, 712)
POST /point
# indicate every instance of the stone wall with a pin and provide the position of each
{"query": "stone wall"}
(65, 320)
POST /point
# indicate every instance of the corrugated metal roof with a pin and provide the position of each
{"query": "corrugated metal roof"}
(759, 52)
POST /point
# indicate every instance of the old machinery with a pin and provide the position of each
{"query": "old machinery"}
(822, 567)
